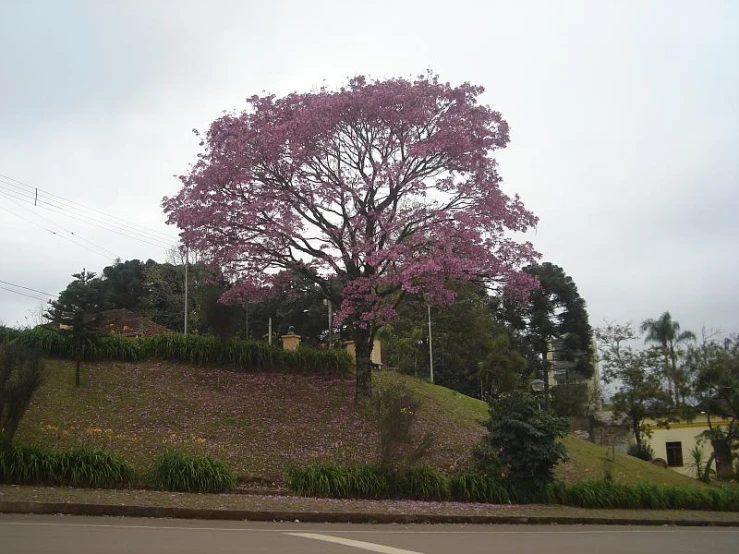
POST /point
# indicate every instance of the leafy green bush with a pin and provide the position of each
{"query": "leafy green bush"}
(522, 443)
(79, 467)
(174, 471)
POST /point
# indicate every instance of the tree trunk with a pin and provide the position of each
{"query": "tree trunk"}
(545, 377)
(705, 476)
(722, 452)
(637, 433)
(363, 349)
(77, 364)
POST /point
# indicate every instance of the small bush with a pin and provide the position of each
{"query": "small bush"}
(83, 467)
(642, 451)
(29, 465)
(522, 444)
(79, 467)
(174, 471)
(399, 448)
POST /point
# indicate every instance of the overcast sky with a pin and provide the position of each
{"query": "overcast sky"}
(623, 123)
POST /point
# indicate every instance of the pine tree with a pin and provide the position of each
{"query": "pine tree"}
(73, 312)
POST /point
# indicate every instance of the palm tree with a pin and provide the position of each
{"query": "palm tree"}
(666, 333)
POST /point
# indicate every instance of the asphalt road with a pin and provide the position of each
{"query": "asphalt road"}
(84, 535)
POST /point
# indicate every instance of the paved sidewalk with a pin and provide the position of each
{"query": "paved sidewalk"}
(271, 507)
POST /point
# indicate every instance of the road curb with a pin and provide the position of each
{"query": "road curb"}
(115, 510)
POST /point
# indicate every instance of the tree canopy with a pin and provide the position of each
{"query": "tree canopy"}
(553, 311)
(386, 187)
(714, 369)
(665, 334)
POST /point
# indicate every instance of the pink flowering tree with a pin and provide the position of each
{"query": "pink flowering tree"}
(387, 188)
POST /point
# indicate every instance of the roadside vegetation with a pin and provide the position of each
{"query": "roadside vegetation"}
(261, 425)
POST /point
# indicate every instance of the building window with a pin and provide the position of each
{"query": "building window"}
(674, 454)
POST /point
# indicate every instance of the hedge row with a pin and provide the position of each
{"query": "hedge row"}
(427, 484)
(241, 355)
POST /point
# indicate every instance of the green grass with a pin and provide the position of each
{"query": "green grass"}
(262, 424)
(589, 461)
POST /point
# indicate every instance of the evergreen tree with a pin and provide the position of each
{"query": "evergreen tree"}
(72, 314)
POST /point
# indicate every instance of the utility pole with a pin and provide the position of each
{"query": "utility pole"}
(427, 298)
(330, 324)
(186, 287)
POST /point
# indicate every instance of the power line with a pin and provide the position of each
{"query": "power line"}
(94, 245)
(90, 219)
(22, 294)
(81, 207)
(26, 288)
(55, 233)
(97, 248)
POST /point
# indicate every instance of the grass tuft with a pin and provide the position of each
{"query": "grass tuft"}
(78, 467)
(175, 471)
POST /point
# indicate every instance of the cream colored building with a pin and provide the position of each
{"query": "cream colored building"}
(562, 372)
(674, 443)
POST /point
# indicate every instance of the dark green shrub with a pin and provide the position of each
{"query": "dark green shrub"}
(642, 451)
(522, 443)
(179, 472)
(21, 373)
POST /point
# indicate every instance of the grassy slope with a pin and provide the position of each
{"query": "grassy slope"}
(262, 423)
